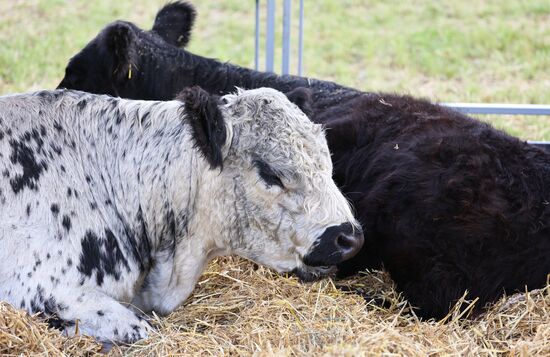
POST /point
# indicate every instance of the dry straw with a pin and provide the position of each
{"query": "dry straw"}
(241, 309)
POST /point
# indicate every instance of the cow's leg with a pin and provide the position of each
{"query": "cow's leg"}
(94, 313)
(170, 281)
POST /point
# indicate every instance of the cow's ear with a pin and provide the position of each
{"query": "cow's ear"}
(174, 23)
(118, 39)
(203, 113)
(302, 97)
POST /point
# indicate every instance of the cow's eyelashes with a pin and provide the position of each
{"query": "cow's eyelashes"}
(267, 174)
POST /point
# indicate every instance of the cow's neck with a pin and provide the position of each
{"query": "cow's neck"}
(133, 159)
(222, 78)
(174, 206)
(207, 235)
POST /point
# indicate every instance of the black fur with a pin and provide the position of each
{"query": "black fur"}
(91, 70)
(302, 98)
(174, 23)
(114, 61)
(447, 203)
(207, 124)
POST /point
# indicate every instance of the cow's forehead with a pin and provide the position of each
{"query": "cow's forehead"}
(269, 110)
(282, 134)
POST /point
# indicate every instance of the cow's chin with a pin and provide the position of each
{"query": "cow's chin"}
(308, 273)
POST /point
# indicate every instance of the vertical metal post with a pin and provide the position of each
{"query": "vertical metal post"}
(301, 38)
(286, 36)
(270, 36)
(257, 37)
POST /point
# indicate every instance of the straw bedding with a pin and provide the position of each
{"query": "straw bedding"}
(239, 308)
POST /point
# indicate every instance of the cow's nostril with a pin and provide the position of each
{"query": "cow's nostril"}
(349, 244)
(344, 242)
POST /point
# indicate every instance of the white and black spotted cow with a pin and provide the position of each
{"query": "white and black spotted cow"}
(112, 206)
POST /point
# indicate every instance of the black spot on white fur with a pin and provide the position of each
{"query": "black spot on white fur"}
(55, 209)
(101, 255)
(66, 223)
(24, 155)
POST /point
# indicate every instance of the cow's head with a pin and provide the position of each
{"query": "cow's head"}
(285, 210)
(125, 61)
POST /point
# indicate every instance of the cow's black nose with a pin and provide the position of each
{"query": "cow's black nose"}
(336, 244)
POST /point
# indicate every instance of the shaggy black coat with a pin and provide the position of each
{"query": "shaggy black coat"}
(448, 204)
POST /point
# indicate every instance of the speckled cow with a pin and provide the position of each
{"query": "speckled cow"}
(109, 207)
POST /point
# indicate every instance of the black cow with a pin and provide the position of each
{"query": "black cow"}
(447, 203)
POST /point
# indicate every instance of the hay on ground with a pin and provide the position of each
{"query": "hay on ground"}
(241, 309)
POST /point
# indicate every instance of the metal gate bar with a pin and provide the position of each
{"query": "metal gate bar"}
(270, 36)
(301, 38)
(286, 37)
(503, 109)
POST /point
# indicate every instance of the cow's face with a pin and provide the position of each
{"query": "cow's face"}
(290, 214)
(104, 64)
(125, 61)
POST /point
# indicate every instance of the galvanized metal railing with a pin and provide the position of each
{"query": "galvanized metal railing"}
(501, 109)
(270, 36)
(468, 108)
(505, 109)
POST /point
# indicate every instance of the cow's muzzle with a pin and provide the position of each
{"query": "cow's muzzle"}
(335, 245)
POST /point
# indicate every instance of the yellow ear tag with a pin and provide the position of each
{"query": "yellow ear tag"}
(130, 72)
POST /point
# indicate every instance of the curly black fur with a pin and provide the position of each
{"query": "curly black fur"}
(447, 203)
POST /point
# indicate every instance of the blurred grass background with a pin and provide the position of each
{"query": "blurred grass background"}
(446, 50)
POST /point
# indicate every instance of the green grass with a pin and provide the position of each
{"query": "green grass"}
(478, 51)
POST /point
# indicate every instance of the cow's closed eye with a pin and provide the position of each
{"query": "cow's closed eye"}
(267, 174)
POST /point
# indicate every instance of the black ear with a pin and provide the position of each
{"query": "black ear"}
(302, 97)
(207, 124)
(174, 23)
(118, 40)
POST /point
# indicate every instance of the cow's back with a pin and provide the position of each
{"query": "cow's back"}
(445, 200)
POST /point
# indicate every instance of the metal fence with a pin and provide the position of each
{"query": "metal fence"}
(503, 109)
(468, 108)
(270, 36)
